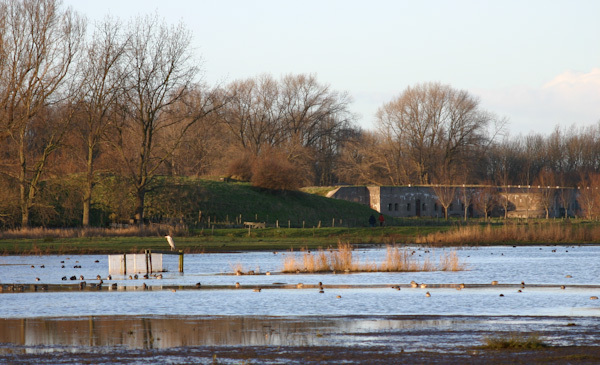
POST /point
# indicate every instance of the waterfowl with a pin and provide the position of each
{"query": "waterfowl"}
(42, 266)
(159, 276)
(144, 286)
(114, 286)
(594, 297)
(339, 297)
(198, 285)
(73, 277)
(237, 285)
(37, 279)
(501, 295)
(130, 277)
(109, 277)
(64, 278)
(135, 276)
(256, 290)
(268, 273)
(495, 282)
(413, 284)
(299, 285)
(568, 276)
(321, 291)
(562, 287)
(423, 286)
(81, 277)
(427, 294)
(82, 285)
(98, 277)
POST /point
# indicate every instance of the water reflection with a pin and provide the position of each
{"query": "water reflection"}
(168, 332)
(396, 333)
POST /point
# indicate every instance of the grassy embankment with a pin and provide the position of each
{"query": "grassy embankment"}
(326, 223)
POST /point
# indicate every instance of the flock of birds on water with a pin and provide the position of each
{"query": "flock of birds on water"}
(83, 284)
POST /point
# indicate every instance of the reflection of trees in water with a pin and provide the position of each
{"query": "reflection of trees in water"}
(168, 332)
(162, 332)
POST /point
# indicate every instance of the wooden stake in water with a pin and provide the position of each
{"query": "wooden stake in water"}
(180, 261)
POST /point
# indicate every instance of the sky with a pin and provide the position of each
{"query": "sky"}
(535, 62)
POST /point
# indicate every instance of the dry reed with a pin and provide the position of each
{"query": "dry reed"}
(131, 231)
(342, 260)
(513, 233)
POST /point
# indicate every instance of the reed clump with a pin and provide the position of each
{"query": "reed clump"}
(342, 260)
(513, 342)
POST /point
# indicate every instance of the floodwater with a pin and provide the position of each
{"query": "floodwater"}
(202, 306)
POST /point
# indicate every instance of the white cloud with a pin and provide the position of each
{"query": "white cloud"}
(570, 98)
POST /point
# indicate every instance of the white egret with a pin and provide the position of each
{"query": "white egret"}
(171, 243)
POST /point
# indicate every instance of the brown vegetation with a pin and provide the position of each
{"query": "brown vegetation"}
(514, 233)
(342, 260)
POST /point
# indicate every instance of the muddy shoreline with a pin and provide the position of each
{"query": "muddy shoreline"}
(293, 340)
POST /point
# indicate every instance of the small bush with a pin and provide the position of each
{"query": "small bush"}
(274, 171)
(513, 342)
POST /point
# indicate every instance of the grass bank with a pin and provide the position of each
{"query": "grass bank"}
(129, 240)
(48, 241)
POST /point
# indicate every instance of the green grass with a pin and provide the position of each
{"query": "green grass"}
(218, 240)
(513, 342)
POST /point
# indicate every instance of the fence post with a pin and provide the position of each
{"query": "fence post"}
(180, 261)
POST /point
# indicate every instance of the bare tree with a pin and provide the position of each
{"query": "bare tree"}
(589, 196)
(39, 44)
(466, 198)
(545, 183)
(485, 199)
(435, 126)
(296, 114)
(102, 84)
(161, 74)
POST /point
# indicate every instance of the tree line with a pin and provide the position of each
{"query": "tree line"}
(126, 99)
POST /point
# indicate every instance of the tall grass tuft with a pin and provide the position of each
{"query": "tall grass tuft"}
(513, 341)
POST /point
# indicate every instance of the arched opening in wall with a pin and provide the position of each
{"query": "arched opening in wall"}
(418, 208)
(396, 207)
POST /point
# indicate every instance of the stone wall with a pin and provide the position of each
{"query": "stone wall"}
(422, 201)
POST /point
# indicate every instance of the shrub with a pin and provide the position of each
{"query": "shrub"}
(513, 341)
(274, 171)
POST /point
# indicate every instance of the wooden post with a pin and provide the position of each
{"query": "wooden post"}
(333, 223)
(150, 259)
(147, 263)
(289, 224)
(319, 226)
(277, 223)
(124, 264)
(180, 261)
(303, 224)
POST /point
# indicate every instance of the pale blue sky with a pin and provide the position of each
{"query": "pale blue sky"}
(536, 63)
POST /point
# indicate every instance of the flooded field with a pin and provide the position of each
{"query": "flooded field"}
(539, 289)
